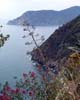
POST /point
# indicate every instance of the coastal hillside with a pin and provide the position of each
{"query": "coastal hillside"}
(47, 17)
(59, 44)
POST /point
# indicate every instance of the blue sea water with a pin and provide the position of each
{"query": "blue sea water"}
(13, 58)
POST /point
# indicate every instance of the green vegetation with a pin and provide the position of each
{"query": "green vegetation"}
(53, 82)
(2, 37)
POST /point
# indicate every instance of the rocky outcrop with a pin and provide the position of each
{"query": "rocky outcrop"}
(56, 46)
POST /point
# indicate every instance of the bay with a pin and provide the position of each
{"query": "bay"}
(13, 58)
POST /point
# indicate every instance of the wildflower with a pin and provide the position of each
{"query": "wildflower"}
(30, 93)
(17, 90)
(1, 97)
(39, 68)
(24, 75)
(24, 91)
(7, 88)
(5, 97)
(26, 81)
(13, 91)
(33, 74)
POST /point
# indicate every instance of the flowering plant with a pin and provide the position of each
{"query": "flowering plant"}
(27, 88)
(66, 85)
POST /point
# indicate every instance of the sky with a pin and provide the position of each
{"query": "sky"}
(10, 9)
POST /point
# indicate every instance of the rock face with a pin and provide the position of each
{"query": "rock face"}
(47, 17)
(56, 46)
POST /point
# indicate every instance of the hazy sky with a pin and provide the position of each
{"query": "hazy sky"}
(10, 9)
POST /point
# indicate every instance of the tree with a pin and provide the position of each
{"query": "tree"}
(3, 38)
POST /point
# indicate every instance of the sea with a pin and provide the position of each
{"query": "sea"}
(14, 60)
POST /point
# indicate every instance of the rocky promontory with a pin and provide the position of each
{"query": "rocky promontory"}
(47, 17)
(56, 47)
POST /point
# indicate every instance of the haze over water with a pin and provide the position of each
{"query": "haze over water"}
(13, 58)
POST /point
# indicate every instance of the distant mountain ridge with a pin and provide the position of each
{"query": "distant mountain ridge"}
(47, 17)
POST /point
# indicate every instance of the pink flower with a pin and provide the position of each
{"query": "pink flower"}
(30, 93)
(24, 91)
(17, 90)
(26, 81)
(13, 91)
(1, 97)
(5, 97)
(39, 68)
(33, 74)
(24, 75)
(7, 88)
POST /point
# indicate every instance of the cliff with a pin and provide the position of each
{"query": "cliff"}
(56, 46)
